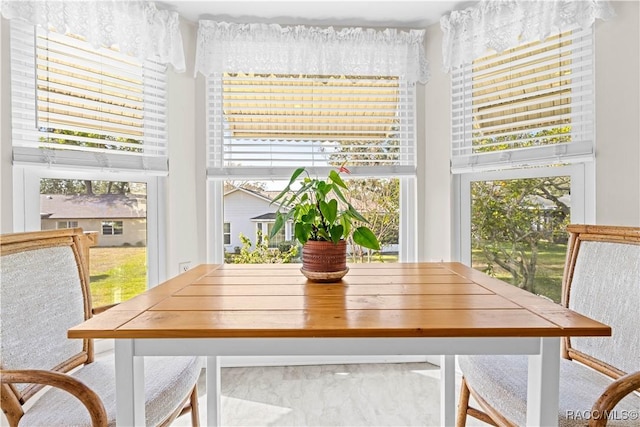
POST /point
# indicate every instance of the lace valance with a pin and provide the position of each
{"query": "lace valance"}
(502, 24)
(137, 28)
(271, 48)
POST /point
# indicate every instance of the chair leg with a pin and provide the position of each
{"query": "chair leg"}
(463, 405)
(195, 413)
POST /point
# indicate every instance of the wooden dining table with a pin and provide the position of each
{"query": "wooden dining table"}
(384, 309)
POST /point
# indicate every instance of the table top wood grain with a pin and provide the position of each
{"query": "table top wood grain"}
(373, 300)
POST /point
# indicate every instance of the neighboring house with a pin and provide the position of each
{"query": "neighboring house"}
(247, 212)
(121, 219)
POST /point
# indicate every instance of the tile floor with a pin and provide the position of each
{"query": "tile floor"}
(401, 394)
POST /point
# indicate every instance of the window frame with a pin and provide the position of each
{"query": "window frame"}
(582, 197)
(27, 175)
(410, 227)
(67, 224)
(226, 234)
(26, 207)
(116, 227)
(543, 161)
(410, 186)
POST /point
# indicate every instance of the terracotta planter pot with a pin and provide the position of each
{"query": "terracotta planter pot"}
(324, 261)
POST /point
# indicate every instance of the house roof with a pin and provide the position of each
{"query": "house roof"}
(268, 216)
(250, 192)
(83, 206)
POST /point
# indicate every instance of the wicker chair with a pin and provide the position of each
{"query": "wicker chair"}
(44, 292)
(599, 377)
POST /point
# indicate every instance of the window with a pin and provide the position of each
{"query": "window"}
(247, 204)
(112, 228)
(227, 233)
(66, 224)
(523, 145)
(262, 127)
(265, 230)
(278, 98)
(81, 114)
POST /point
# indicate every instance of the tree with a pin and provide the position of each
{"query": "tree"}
(509, 219)
(88, 187)
(379, 201)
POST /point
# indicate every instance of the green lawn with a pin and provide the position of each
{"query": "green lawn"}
(548, 280)
(117, 274)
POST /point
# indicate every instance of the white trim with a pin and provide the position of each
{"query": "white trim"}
(408, 221)
(215, 221)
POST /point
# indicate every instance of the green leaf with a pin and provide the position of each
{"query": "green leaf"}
(309, 217)
(354, 213)
(335, 177)
(323, 234)
(295, 176)
(340, 195)
(277, 225)
(286, 190)
(346, 224)
(365, 238)
(322, 189)
(301, 232)
(281, 195)
(329, 210)
(336, 233)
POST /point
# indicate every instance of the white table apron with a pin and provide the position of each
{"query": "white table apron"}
(543, 375)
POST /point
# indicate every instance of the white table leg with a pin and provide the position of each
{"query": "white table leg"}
(214, 407)
(129, 385)
(447, 390)
(544, 384)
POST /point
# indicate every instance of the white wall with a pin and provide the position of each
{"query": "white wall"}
(184, 205)
(618, 116)
(435, 242)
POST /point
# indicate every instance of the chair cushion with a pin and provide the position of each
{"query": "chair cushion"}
(43, 285)
(606, 287)
(502, 382)
(168, 380)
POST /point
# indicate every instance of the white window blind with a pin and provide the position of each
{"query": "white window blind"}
(75, 106)
(529, 105)
(268, 125)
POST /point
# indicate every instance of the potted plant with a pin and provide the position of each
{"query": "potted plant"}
(323, 219)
